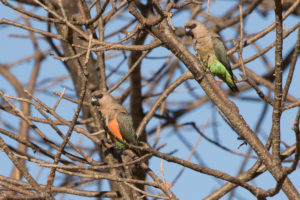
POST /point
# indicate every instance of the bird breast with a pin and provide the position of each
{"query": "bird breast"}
(203, 44)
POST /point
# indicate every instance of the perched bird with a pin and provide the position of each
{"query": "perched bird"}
(211, 52)
(117, 120)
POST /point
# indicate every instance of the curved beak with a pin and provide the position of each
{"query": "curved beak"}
(94, 101)
(188, 31)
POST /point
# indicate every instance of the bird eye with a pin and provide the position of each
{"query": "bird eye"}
(193, 26)
(100, 96)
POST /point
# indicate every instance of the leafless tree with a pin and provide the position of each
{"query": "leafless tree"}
(114, 45)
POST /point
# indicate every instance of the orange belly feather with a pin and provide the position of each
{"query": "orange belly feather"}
(114, 129)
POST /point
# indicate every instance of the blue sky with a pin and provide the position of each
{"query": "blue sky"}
(192, 185)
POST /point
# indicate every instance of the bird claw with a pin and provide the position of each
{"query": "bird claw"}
(108, 141)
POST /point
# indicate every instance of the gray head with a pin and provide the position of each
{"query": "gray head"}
(105, 101)
(196, 29)
(101, 98)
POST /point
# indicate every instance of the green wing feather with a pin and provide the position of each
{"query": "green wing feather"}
(220, 52)
(126, 128)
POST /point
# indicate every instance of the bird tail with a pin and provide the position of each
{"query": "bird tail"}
(233, 87)
(229, 80)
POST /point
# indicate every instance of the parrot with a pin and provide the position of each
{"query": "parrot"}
(210, 50)
(117, 120)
